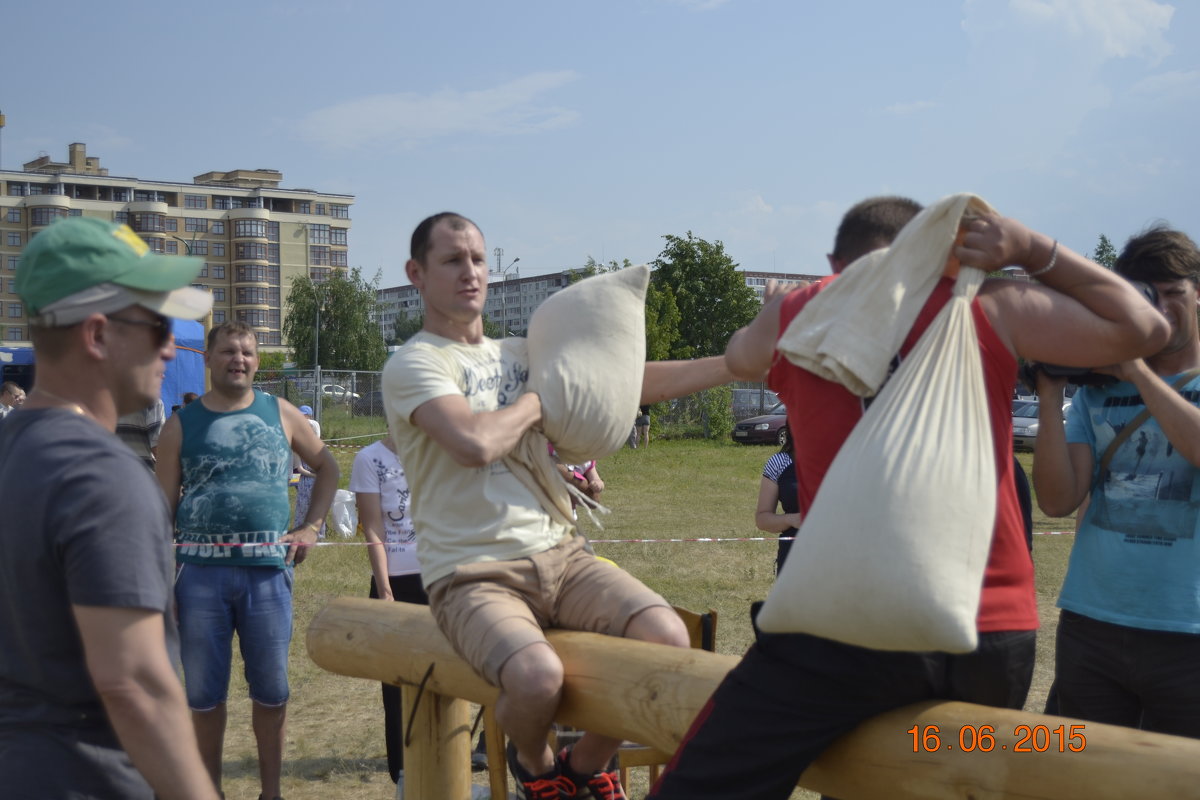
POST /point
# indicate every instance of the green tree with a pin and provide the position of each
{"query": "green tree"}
(662, 322)
(711, 296)
(349, 337)
(1105, 254)
(406, 327)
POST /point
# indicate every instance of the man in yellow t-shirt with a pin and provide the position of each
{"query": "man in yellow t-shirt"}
(497, 567)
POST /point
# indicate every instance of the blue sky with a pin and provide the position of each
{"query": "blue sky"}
(569, 129)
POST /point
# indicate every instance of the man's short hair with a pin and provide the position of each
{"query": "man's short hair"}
(1159, 253)
(872, 224)
(233, 328)
(10, 387)
(419, 247)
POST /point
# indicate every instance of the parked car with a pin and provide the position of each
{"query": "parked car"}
(332, 391)
(769, 428)
(369, 405)
(753, 402)
(1025, 422)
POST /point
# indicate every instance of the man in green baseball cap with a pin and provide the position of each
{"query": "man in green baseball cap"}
(90, 702)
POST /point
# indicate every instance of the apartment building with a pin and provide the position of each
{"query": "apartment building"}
(253, 235)
(511, 301)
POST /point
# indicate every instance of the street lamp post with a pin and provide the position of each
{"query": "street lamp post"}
(318, 301)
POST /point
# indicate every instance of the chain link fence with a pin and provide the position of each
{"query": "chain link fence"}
(349, 403)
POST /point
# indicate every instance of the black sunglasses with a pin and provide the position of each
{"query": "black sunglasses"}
(160, 325)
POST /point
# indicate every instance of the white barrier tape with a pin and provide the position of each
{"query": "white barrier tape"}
(593, 541)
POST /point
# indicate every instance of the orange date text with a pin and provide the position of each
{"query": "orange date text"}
(982, 738)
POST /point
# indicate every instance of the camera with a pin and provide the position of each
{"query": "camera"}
(1080, 376)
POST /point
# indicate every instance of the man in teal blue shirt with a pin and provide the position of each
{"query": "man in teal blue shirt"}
(1129, 632)
(224, 463)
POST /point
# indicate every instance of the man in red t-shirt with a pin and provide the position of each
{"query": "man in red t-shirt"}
(793, 694)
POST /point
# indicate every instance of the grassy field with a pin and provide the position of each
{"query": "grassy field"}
(671, 490)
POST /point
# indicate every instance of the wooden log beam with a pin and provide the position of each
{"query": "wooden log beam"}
(650, 694)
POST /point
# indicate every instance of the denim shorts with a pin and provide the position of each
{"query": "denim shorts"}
(215, 601)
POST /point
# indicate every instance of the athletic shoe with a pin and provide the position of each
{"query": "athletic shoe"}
(553, 785)
(603, 784)
(479, 754)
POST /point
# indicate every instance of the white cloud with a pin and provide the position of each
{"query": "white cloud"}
(903, 109)
(514, 107)
(1169, 84)
(1120, 28)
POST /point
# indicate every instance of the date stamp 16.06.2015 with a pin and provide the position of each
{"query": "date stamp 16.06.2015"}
(982, 738)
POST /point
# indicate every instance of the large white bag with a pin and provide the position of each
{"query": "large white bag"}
(586, 351)
(892, 553)
(587, 356)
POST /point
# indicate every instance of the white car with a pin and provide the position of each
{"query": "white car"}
(1025, 421)
(332, 391)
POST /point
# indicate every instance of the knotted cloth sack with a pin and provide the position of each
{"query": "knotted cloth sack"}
(586, 351)
(587, 356)
(892, 553)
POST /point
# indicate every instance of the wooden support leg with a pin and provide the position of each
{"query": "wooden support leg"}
(437, 755)
(497, 762)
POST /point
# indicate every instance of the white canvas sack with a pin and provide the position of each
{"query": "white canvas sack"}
(587, 356)
(586, 351)
(892, 553)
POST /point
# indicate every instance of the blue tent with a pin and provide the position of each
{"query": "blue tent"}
(184, 374)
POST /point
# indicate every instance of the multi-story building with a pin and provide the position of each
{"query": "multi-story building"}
(511, 301)
(254, 236)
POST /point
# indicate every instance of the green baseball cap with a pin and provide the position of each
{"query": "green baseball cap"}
(82, 265)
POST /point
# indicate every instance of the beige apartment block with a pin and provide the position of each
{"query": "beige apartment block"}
(253, 236)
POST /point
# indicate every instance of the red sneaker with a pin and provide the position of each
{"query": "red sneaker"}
(603, 784)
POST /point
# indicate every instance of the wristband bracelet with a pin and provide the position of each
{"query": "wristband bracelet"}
(1049, 266)
(315, 527)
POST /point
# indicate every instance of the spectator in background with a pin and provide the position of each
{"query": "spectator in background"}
(304, 487)
(641, 427)
(778, 489)
(1129, 631)
(224, 465)
(11, 397)
(382, 496)
(140, 431)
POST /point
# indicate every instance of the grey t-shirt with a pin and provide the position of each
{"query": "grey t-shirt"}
(84, 523)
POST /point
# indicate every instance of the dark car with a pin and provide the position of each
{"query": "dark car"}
(369, 405)
(769, 428)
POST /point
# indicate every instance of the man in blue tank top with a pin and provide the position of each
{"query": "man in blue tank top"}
(224, 464)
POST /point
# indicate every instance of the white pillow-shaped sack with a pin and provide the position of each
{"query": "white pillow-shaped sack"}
(892, 553)
(587, 356)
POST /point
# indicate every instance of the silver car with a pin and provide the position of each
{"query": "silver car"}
(1025, 422)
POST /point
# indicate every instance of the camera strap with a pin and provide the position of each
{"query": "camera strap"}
(1136, 423)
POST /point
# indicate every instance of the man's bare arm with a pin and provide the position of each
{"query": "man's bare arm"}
(475, 440)
(663, 380)
(306, 444)
(1062, 472)
(1178, 418)
(751, 350)
(128, 663)
(167, 468)
(1083, 315)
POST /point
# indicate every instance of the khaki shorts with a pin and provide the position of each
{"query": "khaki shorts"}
(491, 609)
